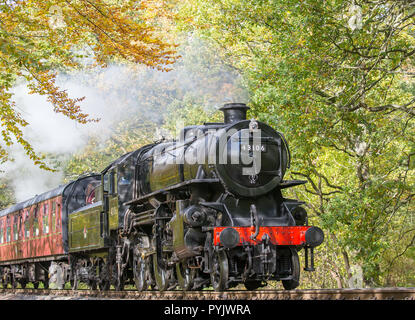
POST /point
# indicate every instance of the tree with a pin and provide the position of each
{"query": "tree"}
(38, 39)
(336, 78)
(6, 195)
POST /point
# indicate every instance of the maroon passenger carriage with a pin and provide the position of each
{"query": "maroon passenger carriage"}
(34, 233)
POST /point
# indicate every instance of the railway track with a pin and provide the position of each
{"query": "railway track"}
(310, 294)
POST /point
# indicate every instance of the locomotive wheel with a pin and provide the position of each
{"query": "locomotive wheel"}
(220, 273)
(161, 275)
(140, 270)
(185, 275)
(118, 280)
(119, 284)
(92, 283)
(74, 278)
(14, 283)
(74, 282)
(23, 283)
(295, 267)
(104, 283)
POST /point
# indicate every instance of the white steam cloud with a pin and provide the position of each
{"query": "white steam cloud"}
(110, 95)
(51, 132)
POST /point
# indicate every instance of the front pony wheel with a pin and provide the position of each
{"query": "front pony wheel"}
(295, 272)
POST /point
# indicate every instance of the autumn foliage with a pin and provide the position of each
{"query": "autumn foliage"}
(40, 38)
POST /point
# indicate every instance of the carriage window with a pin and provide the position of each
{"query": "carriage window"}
(21, 224)
(8, 230)
(53, 215)
(58, 217)
(45, 218)
(26, 224)
(15, 229)
(35, 222)
(1, 232)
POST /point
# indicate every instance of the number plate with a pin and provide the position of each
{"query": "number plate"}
(255, 147)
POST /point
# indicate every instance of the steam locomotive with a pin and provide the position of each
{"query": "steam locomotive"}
(203, 210)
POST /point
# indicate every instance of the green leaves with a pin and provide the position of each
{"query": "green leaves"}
(344, 99)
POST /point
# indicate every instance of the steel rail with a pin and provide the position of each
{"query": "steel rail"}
(307, 294)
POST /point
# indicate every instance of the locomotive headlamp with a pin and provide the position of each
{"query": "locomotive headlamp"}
(229, 237)
(300, 216)
(314, 236)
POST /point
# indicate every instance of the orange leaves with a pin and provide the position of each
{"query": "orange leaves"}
(45, 85)
(38, 38)
(121, 30)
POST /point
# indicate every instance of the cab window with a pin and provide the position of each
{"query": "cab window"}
(112, 187)
(125, 183)
(125, 176)
(109, 185)
(106, 182)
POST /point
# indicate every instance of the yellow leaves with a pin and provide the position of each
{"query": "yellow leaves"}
(122, 32)
(301, 42)
(32, 45)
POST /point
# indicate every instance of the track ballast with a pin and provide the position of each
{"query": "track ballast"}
(308, 294)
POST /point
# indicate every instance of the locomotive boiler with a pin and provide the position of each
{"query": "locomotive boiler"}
(204, 210)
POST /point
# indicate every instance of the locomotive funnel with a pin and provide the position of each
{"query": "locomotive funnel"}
(234, 112)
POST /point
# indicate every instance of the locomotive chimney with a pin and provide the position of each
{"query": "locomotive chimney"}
(234, 112)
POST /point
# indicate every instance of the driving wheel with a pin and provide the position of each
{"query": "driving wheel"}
(220, 271)
(185, 275)
(140, 270)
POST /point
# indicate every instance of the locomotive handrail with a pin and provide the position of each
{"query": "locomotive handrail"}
(288, 149)
(175, 186)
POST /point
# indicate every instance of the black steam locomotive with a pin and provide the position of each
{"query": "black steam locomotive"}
(199, 213)
(203, 210)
